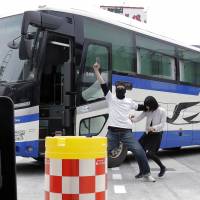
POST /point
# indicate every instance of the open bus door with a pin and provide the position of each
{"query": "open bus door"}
(92, 114)
(57, 80)
(52, 58)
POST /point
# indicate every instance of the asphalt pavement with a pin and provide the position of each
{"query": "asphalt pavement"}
(181, 181)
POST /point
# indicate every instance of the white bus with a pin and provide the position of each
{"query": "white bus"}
(47, 72)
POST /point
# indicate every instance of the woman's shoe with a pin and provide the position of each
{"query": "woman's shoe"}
(162, 171)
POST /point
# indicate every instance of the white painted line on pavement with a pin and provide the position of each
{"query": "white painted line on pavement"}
(117, 177)
(115, 168)
(119, 189)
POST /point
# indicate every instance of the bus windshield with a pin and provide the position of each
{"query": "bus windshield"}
(12, 69)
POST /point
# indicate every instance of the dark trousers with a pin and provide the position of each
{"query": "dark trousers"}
(126, 137)
(151, 144)
(153, 156)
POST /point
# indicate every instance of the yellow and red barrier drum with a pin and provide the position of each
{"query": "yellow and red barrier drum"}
(76, 168)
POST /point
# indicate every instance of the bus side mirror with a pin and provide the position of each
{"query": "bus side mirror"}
(24, 48)
(13, 45)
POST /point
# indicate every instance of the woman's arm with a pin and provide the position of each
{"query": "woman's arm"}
(163, 120)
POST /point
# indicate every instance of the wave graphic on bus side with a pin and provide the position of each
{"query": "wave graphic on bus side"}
(177, 110)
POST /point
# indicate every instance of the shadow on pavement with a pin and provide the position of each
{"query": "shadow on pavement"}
(30, 167)
(185, 151)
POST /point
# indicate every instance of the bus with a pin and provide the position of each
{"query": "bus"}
(46, 69)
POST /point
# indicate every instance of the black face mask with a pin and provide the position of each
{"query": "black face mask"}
(120, 93)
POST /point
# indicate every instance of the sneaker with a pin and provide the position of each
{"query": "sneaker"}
(162, 171)
(149, 178)
(140, 175)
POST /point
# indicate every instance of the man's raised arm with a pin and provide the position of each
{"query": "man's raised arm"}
(96, 68)
(104, 86)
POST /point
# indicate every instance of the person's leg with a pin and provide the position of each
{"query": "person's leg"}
(155, 158)
(142, 142)
(134, 146)
(113, 140)
(154, 141)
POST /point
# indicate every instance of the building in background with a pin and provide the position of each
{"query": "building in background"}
(138, 13)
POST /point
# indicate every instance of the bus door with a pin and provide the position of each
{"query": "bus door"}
(92, 113)
(57, 79)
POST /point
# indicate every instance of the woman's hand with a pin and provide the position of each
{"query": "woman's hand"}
(151, 129)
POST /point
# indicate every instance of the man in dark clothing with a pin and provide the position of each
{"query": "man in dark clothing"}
(119, 124)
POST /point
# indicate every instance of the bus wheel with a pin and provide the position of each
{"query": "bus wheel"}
(117, 156)
(40, 159)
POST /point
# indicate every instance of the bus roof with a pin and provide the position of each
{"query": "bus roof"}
(121, 21)
(105, 16)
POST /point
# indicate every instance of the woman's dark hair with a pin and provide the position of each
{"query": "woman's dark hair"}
(151, 103)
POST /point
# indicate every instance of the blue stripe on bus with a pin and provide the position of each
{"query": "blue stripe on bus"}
(170, 139)
(157, 85)
(27, 149)
(173, 139)
(27, 118)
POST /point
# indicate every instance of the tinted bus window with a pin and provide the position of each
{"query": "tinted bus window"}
(155, 64)
(155, 45)
(190, 72)
(123, 52)
(90, 87)
(189, 66)
(12, 69)
(155, 58)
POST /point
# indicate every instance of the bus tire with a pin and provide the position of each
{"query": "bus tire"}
(117, 157)
(40, 159)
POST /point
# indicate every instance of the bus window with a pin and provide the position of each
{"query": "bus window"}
(156, 45)
(123, 51)
(90, 87)
(189, 72)
(155, 64)
(189, 66)
(93, 125)
(12, 69)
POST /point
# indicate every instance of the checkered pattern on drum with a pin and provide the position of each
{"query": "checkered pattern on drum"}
(75, 179)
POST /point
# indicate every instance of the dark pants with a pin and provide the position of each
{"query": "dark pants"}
(151, 144)
(126, 137)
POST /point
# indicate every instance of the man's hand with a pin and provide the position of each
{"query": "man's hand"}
(96, 66)
(131, 117)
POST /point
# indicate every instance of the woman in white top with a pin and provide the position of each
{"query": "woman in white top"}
(155, 122)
